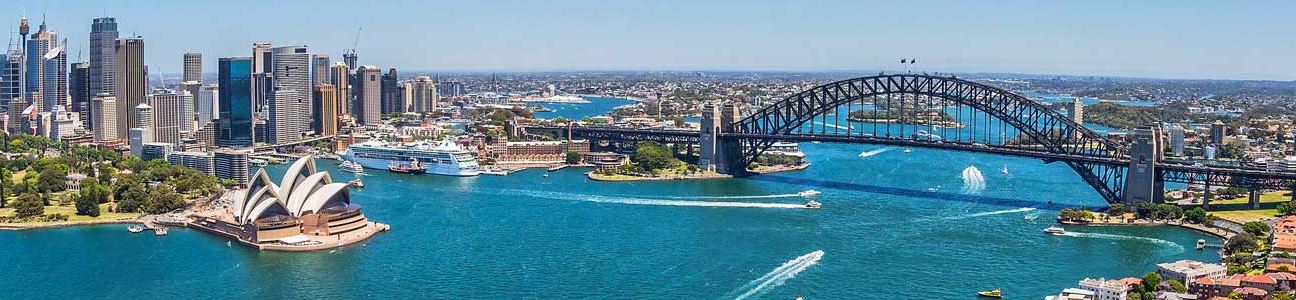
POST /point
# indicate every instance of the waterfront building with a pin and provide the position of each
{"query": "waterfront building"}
(305, 211)
(79, 91)
(231, 164)
(539, 151)
(201, 161)
(131, 79)
(1190, 270)
(340, 77)
(1105, 289)
(391, 94)
(192, 67)
(172, 115)
(422, 94)
(1217, 133)
(1073, 294)
(234, 123)
(103, 110)
(320, 69)
(103, 58)
(289, 107)
(326, 117)
(207, 98)
(367, 107)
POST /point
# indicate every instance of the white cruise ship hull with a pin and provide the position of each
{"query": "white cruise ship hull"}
(432, 168)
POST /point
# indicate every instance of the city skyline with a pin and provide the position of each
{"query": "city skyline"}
(1144, 39)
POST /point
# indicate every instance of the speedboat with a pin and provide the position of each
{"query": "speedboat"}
(809, 193)
(1054, 230)
(995, 293)
(907, 150)
(135, 228)
(813, 204)
(1030, 217)
(1201, 244)
(546, 175)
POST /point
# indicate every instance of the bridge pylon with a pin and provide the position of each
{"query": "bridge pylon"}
(1143, 184)
(719, 153)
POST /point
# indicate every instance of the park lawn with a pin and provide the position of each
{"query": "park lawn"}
(1243, 216)
(1270, 197)
(70, 211)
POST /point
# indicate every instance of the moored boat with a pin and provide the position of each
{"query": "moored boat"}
(995, 293)
(135, 228)
(412, 167)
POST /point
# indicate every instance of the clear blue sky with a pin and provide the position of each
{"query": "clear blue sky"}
(1177, 39)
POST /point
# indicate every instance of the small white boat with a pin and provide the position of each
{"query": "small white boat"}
(907, 150)
(809, 193)
(160, 231)
(135, 228)
(1004, 170)
(1201, 244)
(813, 204)
(351, 166)
(1031, 217)
(546, 175)
(1054, 230)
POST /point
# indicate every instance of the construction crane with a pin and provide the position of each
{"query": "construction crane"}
(349, 55)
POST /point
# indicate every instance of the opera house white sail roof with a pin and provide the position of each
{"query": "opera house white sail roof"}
(302, 190)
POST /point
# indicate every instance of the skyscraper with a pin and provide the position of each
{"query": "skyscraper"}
(54, 78)
(260, 75)
(103, 58)
(207, 97)
(40, 43)
(79, 91)
(391, 94)
(104, 110)
(325, 117)
(131, 80)
(11, 76)
(341, 78)
(172, 114)
(367, 106)
(423, 94)
(289, 105)
(141, 131)
(352, 61)
(192, 67)
(320, 69)
(234, 126)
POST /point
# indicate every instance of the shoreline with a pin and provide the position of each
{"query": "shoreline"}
(1212, 231)
(593, 175)
(62, 224)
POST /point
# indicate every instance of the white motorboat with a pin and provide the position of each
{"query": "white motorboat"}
(813, 204)
(1054, 230)
(135, 228)
(809, 193)
(1004, 170)
(1030, 217)
(907, 150)
(351, 166)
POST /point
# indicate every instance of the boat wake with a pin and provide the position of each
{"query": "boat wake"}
(1117, 237)
(991, 213)
(973, 181)
(778, 276)
(774, 196)
(874, 152)
(641, 201)
(834, 126)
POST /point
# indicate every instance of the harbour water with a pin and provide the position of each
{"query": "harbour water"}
(597, 106)
(922, 225)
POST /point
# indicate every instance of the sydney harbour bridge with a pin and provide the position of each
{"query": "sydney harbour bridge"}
(948, 113)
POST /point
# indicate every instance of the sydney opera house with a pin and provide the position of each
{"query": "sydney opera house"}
(305, 211)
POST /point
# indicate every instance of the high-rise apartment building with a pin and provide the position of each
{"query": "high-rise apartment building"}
(231, 165)
(192, 67)
(341, 80)
(289, 105)
(131, 80)
(366, 86)
(234, 124)
(172, 113)
(422, 93)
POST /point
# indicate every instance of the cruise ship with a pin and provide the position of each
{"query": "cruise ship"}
(441, 158)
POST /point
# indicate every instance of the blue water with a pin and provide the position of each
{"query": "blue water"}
(893, 225)
(597, 106)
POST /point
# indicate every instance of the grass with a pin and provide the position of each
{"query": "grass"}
(1243, 216)
(1271, 197)
(70, 211)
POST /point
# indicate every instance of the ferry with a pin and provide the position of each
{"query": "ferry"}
(1054, 230)
(412, 167)
(809, 193)
(440, 158)
(347, 165)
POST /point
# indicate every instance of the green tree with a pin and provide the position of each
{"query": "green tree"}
(86, 204)
(1256, 228)
(1166, 212)
(573, 158)
(1196, 215)
(16, 146)
(1286, 209)
(1151, 281)
(28, 205)
(1282, 296)
(106, 174)
(131, 198)
(1116, 210)
(163, 199)
(51, 180)
(1242, 242)
(6, 186)
(653, 156)
(1176, 286)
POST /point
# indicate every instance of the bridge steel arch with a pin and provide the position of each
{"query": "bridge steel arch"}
(1047, 128)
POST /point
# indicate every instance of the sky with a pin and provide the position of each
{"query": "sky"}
(1162, 39)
